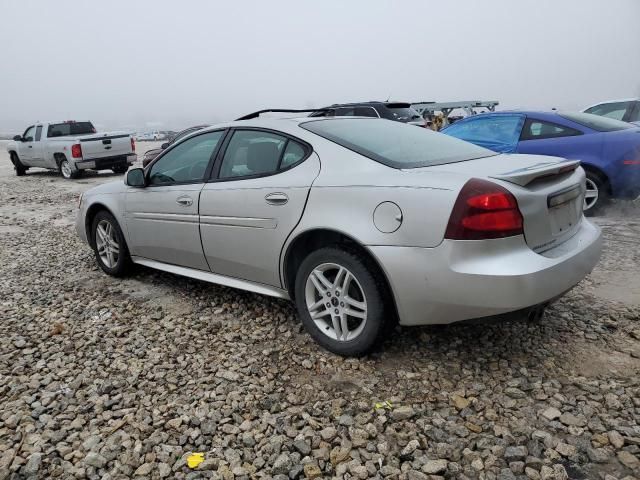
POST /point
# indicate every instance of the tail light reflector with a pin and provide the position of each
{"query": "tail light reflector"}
(133, 145)
(76, 151)
(484, 210)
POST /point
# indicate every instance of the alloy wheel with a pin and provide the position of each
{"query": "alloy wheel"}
(336, 302)
(65, 168)
(591, 195)
(107, 243)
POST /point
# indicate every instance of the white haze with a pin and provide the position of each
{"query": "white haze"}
(170, 64)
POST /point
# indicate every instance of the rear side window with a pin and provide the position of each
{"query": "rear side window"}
(616, 110)
(402, 112)
(365, 112)
(70, 128)
(395, 144)
(595, 122)
(253, 153)
(538, 130)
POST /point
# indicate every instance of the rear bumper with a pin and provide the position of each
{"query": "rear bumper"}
(106, 162)
(462, 280)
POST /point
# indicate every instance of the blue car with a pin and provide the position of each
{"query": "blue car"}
(608, 149)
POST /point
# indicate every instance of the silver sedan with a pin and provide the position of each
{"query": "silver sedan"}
(361, 222)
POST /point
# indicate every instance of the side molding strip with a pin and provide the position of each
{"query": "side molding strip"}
(213, 278)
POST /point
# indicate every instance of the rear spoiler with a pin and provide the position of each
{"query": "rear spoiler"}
(524, 176)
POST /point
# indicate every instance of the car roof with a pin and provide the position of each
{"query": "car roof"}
(541, 114)
(620, 100)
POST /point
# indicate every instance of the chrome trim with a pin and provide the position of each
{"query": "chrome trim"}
(166, 217)
(250, 222)
(213, 278)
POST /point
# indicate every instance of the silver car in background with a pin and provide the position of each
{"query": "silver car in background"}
(359, 221)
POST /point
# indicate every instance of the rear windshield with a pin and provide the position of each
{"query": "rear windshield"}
(395, 144)
(70, 128)
(403, 112)
(596, 122)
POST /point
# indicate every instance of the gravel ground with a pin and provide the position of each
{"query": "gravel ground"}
(107, 378)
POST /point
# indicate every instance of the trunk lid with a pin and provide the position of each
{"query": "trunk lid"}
(549, 192)
(102, 145)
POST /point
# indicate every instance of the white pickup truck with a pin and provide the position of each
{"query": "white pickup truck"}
(71, 147)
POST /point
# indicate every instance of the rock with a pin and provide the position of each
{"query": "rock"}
(144, 469)
(565, 449)
(410, 448)
(517, 467)
(551, 413)
(282, 464)
(339, 455)
(434, 467)
(402, 413)
(312, 471)
(164, 470)
(598, 455)
(616, 439)
(416, 475)
(512, 454)
(571, 419)
(629, 460)
(460, 402)
(33, 464)
(532, 473)
(94, 459)
(328, 433)
(302, 446)
(174, 423)
(346, 420)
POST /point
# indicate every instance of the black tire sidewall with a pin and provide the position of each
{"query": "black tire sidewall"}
(373, 291)
(123, 258)
(17, 165)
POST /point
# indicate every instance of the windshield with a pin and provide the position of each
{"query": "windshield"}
(403, 112)
(395, 144)
(596, 122)
(70, 128)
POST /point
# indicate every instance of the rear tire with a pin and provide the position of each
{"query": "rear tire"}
(597, 194)
(339, 300)
(109, 245)
(17, 165)
(65, 169)
(120, 169)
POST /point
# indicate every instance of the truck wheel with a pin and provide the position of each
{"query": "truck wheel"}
(64, 167)
(17, 165)
(110, 247)
(340, 301)
(120, 169)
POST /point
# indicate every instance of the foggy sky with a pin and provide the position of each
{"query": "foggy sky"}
(170, 64)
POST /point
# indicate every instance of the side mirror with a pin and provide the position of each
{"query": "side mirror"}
(164, 145)
(135, 178)
(17, 138)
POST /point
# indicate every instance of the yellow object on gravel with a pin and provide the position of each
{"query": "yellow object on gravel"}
(195, 459)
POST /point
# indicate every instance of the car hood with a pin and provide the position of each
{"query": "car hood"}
(107, 188)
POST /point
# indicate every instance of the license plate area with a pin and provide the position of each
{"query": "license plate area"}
(565, 210)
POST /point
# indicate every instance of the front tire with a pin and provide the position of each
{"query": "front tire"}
(17, 165)
(597, 194)
(109, 245)
(340, 302)
(65, 169)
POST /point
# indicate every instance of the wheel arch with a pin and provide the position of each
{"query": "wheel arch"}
(59, 157)
(92, 211)
(310, 240)
(590, 167)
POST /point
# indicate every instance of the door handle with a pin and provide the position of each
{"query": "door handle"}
(30, 146)
(184, 201)
(276, 198)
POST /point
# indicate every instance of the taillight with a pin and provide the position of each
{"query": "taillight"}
(76, 151)
(484, 210)
(133, 145)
